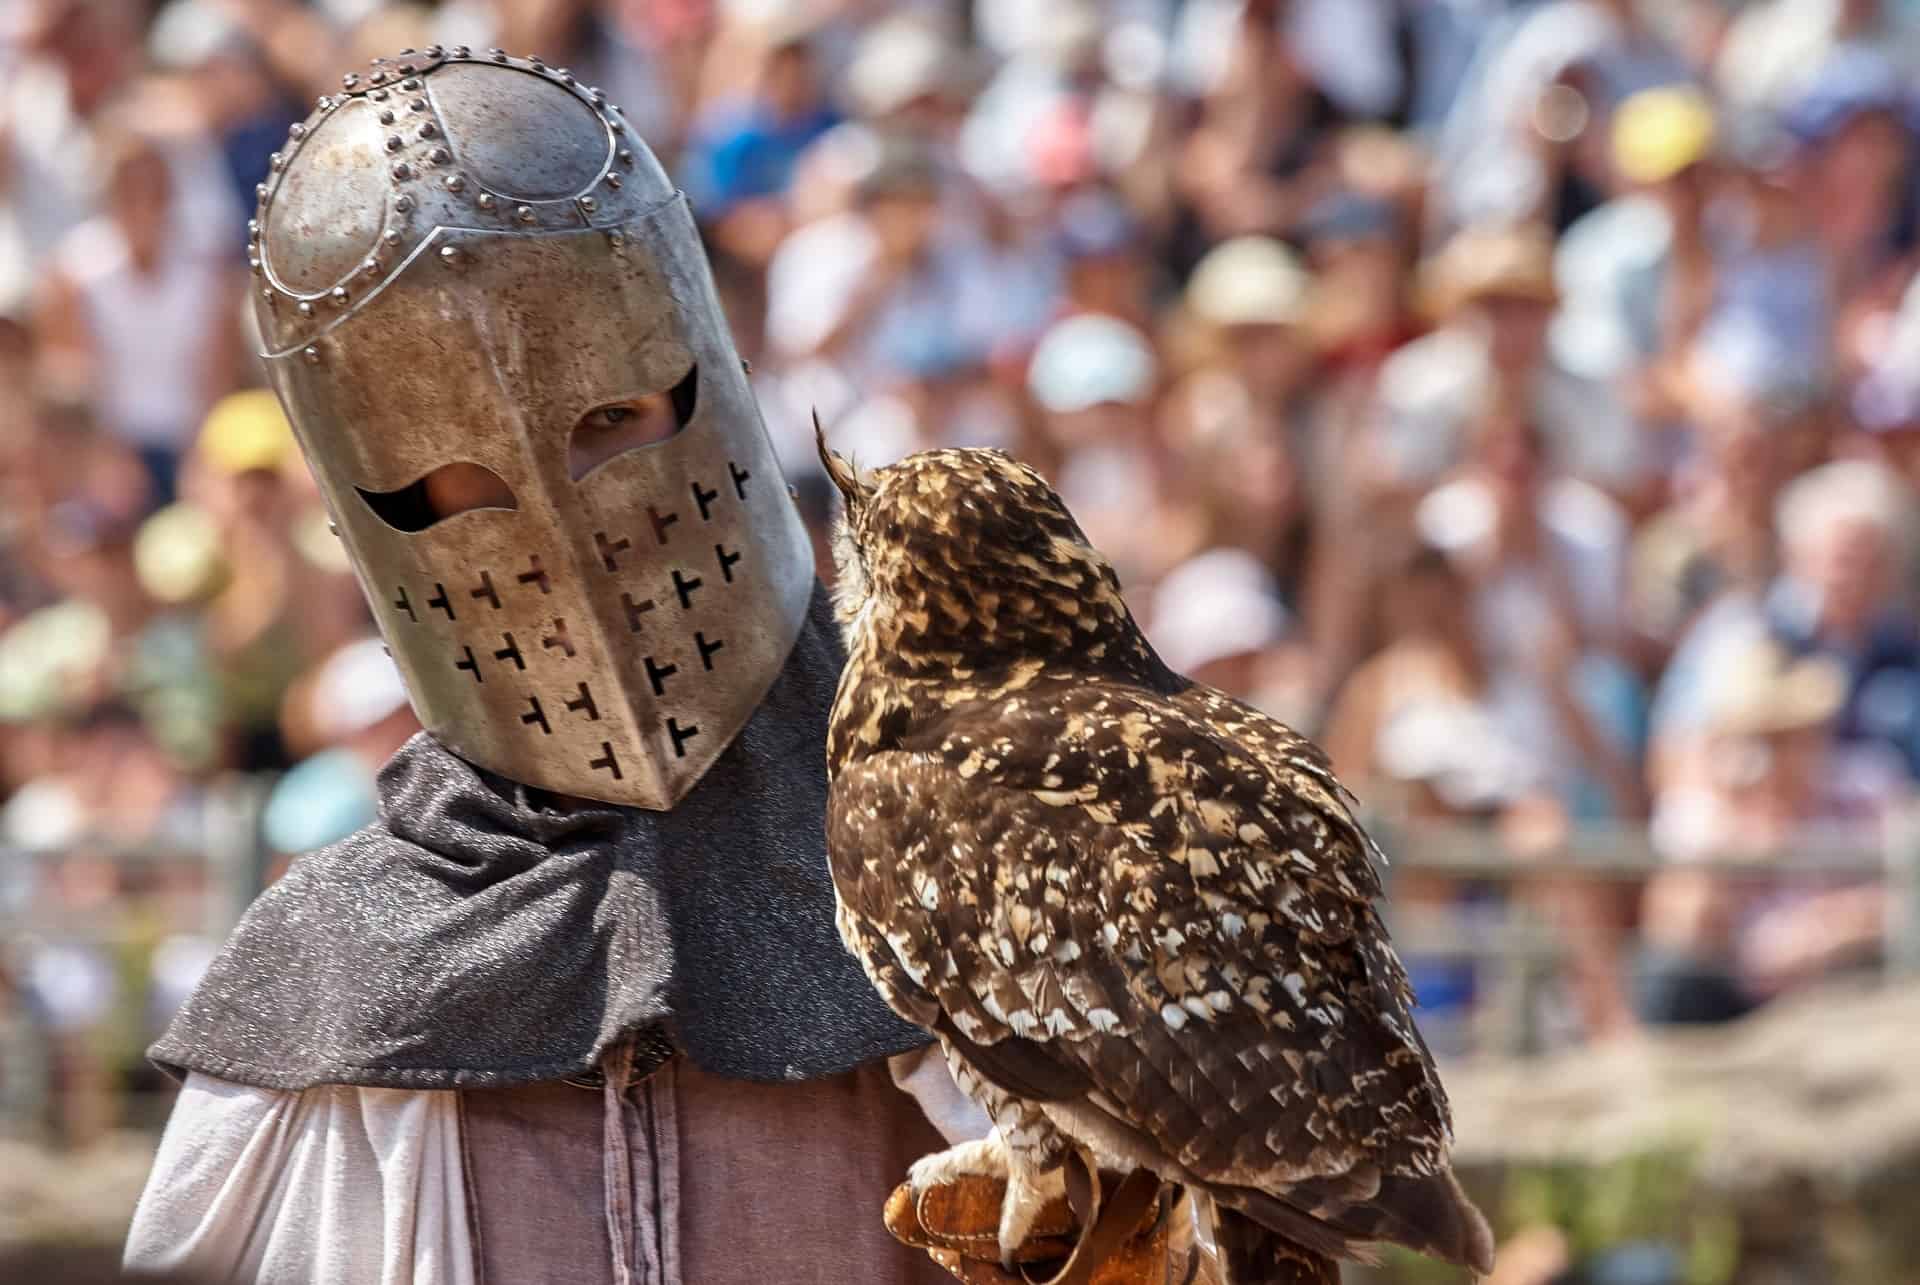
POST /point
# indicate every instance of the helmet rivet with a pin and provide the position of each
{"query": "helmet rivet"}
(312, 355)
(463, 51)
(588, 204)
(271, 299)
(429, 129)
(484, 200)
(340, 296)
(297, 133)
(535, 60)
(433, 51)
(614, 181)
(395, 142)
(407, 69)
(276, 161)
(381, 78)
(403, 203)
(455, 183)
(253, 229)
(417, 105)
(498, 55)
(626, 157)
(613, 108)
(439, 156)
(378, 95)
(407, 52)
(410, 83)
(253, 262)
(598, 95)
(386, 117)
(305, 308)
(260, 191)
(325, 103)
(350, 80)
(616, 238)
(524, 214)
(402, 172)
(391, 236)
(565, 75)
(450, 255)
(370, 268)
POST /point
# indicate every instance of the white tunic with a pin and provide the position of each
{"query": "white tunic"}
(337, 1185)
(261, 1185)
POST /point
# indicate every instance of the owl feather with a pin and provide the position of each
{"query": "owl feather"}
(1139, 914)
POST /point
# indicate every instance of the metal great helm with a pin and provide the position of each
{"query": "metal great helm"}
(456, 260)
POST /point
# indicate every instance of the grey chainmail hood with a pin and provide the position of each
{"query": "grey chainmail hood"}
(472, 937)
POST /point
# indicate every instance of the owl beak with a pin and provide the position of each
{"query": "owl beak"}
(838, 468)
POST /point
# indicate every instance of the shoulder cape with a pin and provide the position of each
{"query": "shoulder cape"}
(473, 937)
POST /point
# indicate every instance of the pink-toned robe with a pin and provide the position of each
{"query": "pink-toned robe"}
(711, 1182)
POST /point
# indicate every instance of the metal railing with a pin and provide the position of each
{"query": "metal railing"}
(1517, 953)
(1520, 953)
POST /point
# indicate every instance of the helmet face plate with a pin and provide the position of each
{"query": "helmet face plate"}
(605, 636)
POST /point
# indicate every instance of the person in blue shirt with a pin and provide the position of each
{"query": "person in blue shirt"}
(743, 149)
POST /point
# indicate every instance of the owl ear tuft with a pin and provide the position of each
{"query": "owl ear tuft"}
(840, 470)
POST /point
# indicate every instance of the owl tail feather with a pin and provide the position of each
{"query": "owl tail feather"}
(1350, 1216)
(1431, 1214)
(1250, 1254)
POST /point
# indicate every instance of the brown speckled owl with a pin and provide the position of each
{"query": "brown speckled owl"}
(1137, 914)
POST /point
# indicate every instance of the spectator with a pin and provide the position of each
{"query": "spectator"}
(1716, 538)
(740, 156)
(1638, 272)
(353, 714)
(1103, 252)
(135, 293)
(1095, 380)
(1253, 162)
(69, 60)
(1493, 292)
(1846, 532)
(1249, 296)
(1545, 556)
(1217, 617)
(1423, 717)
(1773, 784)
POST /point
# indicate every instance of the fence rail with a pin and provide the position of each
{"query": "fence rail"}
(1513, 948)
(1521, 953)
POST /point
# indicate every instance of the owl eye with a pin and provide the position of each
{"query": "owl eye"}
(618, 427)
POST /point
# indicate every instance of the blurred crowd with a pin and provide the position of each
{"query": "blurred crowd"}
(1521, 397)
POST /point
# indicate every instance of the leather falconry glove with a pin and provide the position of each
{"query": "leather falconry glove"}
(1142, 1234)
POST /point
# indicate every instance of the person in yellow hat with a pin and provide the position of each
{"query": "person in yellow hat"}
(1637, 271)
(246, 432)
(236, 477)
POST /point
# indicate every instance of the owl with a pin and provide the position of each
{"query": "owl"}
(1137, 915)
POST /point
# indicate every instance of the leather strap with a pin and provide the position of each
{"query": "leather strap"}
(1104, 1226)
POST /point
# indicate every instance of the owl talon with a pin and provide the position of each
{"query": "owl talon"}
(984, 1158)
(1027, 1192)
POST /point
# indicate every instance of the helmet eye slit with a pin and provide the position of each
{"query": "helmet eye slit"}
(447, 491)
(607, 432)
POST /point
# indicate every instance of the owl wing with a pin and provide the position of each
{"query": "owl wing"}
(1158, 910)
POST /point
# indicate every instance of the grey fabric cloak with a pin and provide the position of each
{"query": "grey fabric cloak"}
(481, 935)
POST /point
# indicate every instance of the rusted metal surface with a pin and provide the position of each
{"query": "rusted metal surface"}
(457, 259)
